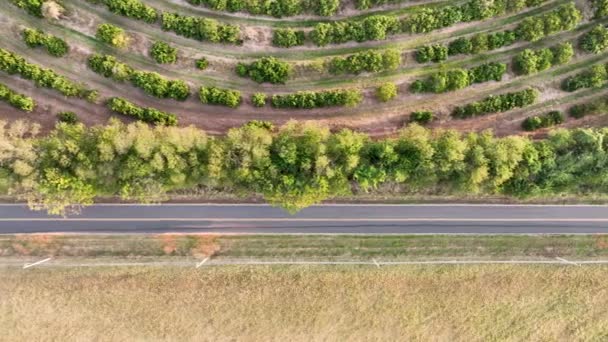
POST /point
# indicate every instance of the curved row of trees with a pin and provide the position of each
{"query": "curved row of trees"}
(151, 82)
(275, 8)
(379, 27)
(293, 166)
(563, 18)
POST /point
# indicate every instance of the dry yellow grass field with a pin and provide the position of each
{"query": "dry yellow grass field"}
(300, 303)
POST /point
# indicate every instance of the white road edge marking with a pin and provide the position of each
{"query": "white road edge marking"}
(36, 263)
(202, 262)
(566, 261)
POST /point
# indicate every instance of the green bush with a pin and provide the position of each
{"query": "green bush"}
(596, 40)
(203, 29)
(326, 98)
(258, 99)
(67, 117)
(276, 8)
(151, 115)
(287, 37)
(112, 35)
(432, 53)
(422, 117)
(386, 92)
(495, 104)
(163, 53)
(552, 118)
(54, 46)
(15, 64)
(19, 101)
(220, 96)
(366, 61)
(266, 69)
(202, 63)
(133, 9)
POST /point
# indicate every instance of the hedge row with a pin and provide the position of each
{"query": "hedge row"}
(552, 118)
(275, 8)
(151, 82)
(220, 96)
(563, 18)
(594, 77)
(54, 46)
(203, 29)
(366, 61)
(326, 98)
(478, 43)
(151, 115)
(531, 61)
(376, 27)
(15, 64)
(16, 100)
(429, 19)
(132, 9)
(379, 27)
(266, 69)
(498, 103)
(455, 79)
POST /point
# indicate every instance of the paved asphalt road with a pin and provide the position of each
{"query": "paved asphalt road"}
(355, 219)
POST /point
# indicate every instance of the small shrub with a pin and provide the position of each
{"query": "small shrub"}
(202, 63)
(422, 117)
(258, 99)
(67, 117)
(112, 35)
(386, 92)
(287, 37)
(163, 53)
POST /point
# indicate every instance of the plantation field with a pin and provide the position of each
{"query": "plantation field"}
(305, 303)
(326, 60)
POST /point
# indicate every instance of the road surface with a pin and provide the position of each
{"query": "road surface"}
(332, 218)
